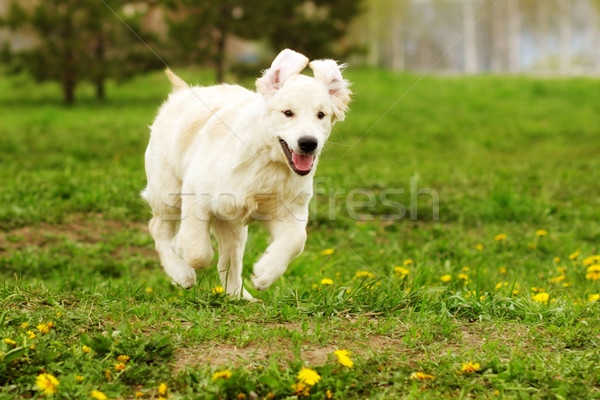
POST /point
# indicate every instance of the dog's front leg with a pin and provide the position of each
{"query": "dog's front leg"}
(193, 238)
(287, 241)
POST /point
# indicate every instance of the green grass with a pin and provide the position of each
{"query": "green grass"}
(505, 155)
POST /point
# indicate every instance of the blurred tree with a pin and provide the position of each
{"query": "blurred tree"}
(310, 27)
(78, 40)
(199, 29)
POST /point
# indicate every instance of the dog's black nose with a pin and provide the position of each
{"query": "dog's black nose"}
(307, 143)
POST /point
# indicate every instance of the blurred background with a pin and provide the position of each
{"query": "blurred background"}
(72, 42)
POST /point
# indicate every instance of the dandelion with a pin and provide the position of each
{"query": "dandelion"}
(561, 270)
(327, 252)
(301, 389)
(574, 255)
(225, 374)
(593, 297)
(593, 273)
(10, 341)
(217, 290)
(45, 328)
(499, 237)
(541, 232)
(408, 262)
(98, 395)
(567, 284)
(86, 349)
(149, 290)
(328, 394)
(502, 270)
(47, 383)
(362, 274)
(79, 378)
(139, 394)
(326, 281)
(556, 259)
(470, 367)
(402, 271)
(123, 358)
(24, 325)
(420, 375)
(343, 358)
(591, 260)
(31, 334)
(120, 367)
(500, 284)
(479, 246)
(541, 297)
(308, 376)
(463, 277)
(446, 278)
(162, 389)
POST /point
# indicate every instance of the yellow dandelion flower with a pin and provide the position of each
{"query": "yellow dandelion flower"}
(79, 378)
(593, 297)
(217, 290)
(567, 284)
(591, 260)
(446, 278)
(541, 232)
(123, 358)
(541, 297)
(327, 252)
(479, 246)
(47, 383)
(328, 394)
(471, 367)
(120, 367)
(561, 270)
(308, 376)
(225, 374)
(326, 281)
(463, 277)
(402, 271)
(362, 274)
(557, 279)
(343, 358)
(420, 376)
(86, 349)
(31, 334)
(162, 389)
(556, 259)
(10, 341)
(408, 262)
(593, 273)
(139, 394)
(98, 395)
(45, 328)
(24, 325)
(500, 284)
(32, 347)
(149, 290)
(499, 237)
(574, 255)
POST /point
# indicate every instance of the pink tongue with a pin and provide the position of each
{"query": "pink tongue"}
(302, 162)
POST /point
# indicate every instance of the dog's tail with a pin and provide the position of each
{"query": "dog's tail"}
(176, 81)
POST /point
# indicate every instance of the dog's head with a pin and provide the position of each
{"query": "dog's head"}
(301, 110)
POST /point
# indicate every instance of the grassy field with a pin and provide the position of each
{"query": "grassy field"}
(503, 278)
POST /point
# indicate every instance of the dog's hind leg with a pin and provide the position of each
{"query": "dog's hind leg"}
(231, 237)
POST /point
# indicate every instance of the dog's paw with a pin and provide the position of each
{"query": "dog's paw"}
(263, 281)
(185, 280)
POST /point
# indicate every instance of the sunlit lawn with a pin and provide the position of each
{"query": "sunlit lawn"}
(502, 274)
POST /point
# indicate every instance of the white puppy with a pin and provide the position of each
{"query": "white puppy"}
(220, 157)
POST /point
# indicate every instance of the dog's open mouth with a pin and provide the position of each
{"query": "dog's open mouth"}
(300, 163)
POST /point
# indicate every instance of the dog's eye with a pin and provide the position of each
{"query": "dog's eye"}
(321, 115)
(288, 113)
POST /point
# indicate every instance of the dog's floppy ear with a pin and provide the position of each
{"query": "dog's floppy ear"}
(330, 73)
(286, 64)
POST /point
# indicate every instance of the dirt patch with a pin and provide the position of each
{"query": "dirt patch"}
(83, 229)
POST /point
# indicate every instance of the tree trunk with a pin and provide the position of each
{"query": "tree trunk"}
(514, 36)
(498, 39)
(69, 77)
(565, 29)
(220, 57)
(470, 42)
(100, 76)
(543, 21)
(398, 40)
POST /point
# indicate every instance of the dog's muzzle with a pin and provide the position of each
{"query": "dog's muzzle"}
(299, 163)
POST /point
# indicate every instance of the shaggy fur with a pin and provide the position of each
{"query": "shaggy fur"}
(220, 157)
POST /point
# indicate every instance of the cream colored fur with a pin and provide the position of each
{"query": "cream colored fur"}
(214, 163)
